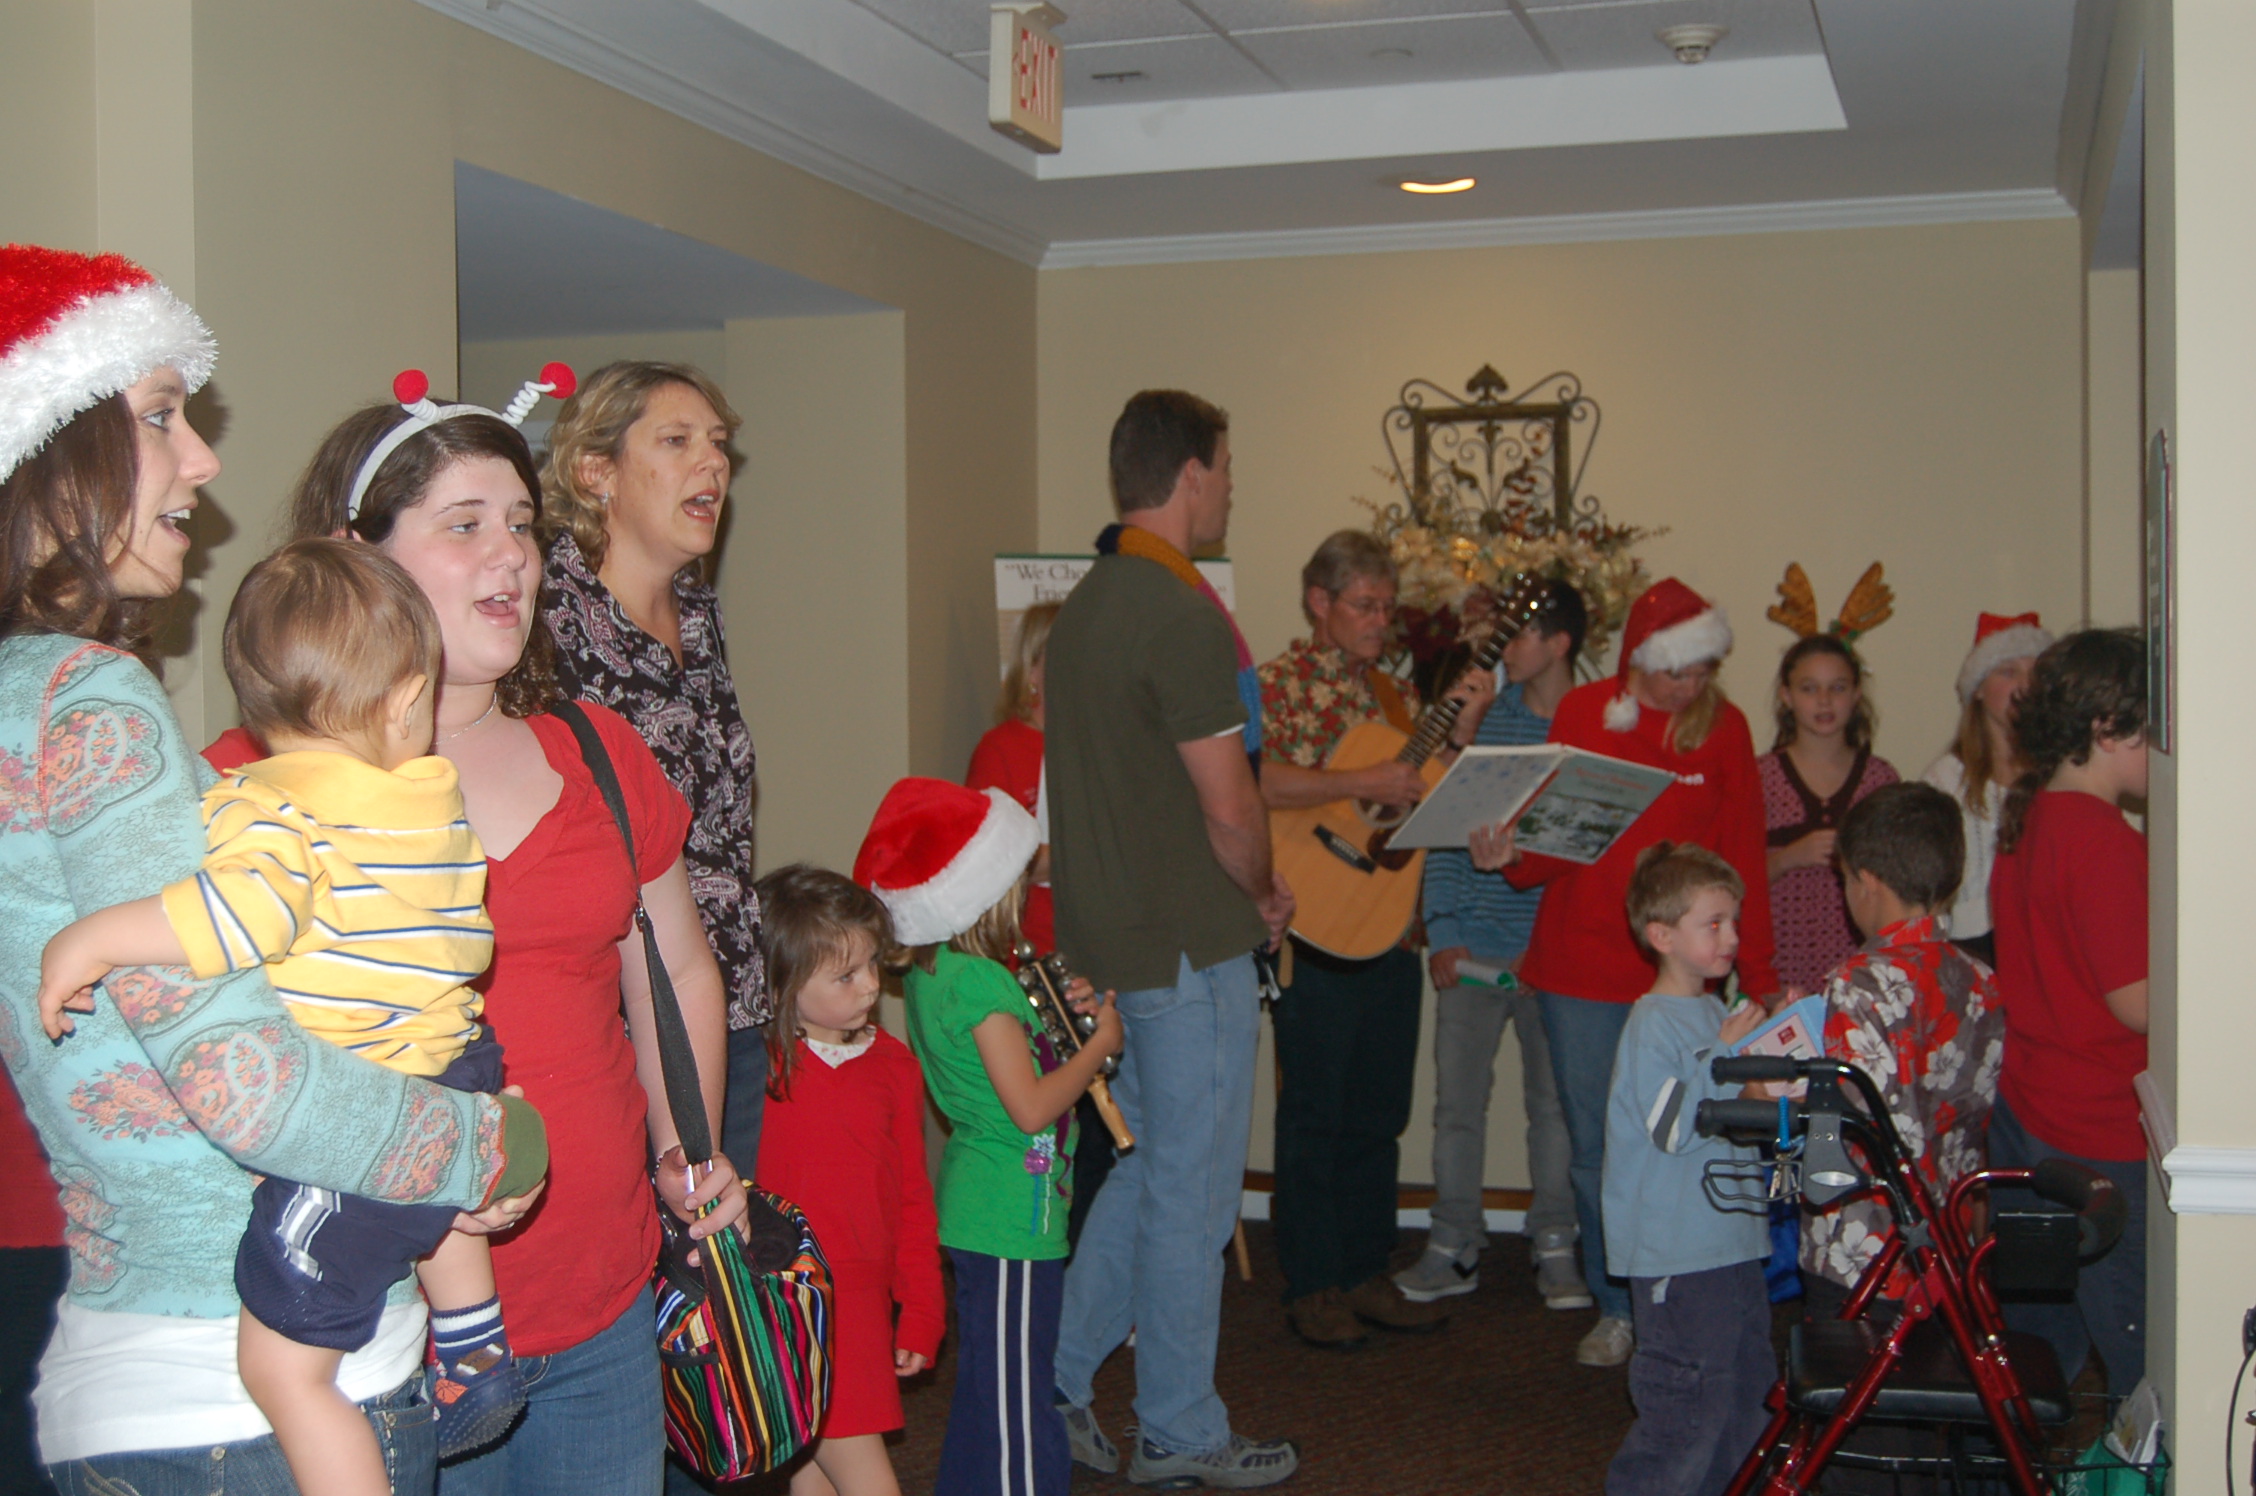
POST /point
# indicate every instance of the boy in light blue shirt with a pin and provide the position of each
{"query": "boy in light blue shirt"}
(1704, 1362)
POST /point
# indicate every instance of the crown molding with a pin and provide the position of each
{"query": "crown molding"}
(1572, 228)
(527, 25)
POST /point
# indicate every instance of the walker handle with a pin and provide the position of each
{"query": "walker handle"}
(1714, 1118)
(1750, 1067)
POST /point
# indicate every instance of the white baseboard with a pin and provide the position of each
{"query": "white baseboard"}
(1507, 1222)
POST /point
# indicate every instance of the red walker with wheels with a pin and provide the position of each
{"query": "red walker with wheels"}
(1948, 1358)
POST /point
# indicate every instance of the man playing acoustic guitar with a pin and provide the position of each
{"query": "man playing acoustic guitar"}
(1347, 1030)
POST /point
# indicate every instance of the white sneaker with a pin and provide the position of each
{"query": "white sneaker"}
(1439, 1274)
(1609, 1343)
(1558, 1271)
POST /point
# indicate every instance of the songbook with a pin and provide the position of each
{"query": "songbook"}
(1796, 1030)
(1564, 802)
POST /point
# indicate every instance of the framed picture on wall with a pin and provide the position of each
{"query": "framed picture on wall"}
(2158, 516)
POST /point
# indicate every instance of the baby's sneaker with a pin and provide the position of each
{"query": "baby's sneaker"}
(479, 1391)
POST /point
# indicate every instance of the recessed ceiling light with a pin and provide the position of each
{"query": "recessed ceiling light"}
(1462, 184)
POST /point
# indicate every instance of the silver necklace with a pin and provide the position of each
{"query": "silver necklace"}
(478, 721)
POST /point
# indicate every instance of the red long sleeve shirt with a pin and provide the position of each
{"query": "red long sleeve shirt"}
(1582, 945)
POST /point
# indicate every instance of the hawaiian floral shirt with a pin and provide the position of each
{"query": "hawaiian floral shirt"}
(689, 716)
(1922, 1018)
(1311, 695)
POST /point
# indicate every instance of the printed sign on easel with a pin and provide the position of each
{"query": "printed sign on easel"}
(1022, 581)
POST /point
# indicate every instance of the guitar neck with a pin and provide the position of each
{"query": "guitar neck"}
(1434, 723)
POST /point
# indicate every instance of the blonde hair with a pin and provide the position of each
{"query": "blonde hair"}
(1689, 728)
(1669, 876)
(320, 633)
(1016, 703)
(994, 935)
(1983, 772)
(594, 423)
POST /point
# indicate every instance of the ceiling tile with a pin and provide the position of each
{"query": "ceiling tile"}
(958, 27)
(1363, 56)
(1618, 35)
(1247, 15)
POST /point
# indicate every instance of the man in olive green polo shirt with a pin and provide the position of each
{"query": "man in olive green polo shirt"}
(1160, 858)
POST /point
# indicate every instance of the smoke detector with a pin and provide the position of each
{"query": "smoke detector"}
(1691, 43)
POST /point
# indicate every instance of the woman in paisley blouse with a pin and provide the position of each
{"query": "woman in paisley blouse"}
(637, 474)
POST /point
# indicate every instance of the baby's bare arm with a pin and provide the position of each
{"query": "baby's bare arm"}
(87, 950)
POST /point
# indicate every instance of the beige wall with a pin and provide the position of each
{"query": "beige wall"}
(321, 198)
(1909, 395)
(493, 372)
(2112, 443)
(2200, 323)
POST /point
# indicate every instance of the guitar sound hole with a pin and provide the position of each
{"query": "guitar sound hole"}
(1381, 850)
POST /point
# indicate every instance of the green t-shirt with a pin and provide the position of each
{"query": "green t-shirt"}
(1137, 663)
(1003, 1192)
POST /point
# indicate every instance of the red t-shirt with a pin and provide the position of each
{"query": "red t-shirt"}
(1009, 758)
(30, 1214)
(560, 904)
(1582, 946)
(2069, 903)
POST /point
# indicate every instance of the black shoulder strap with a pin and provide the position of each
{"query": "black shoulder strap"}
(685, 1097)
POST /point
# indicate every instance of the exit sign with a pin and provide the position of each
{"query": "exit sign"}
(1023, 99)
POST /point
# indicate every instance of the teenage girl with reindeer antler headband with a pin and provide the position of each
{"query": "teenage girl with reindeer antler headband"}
(1819, 765)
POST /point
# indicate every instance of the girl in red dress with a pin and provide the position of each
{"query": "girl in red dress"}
(843, 1139)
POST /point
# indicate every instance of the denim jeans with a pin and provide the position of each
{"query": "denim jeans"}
(1702, 1369)
(1584, 1035)
(1150, 1258)
(594, 1424)
(1347, 1052)
(1468, 1028)
(2109, 1311)
(32, 1279)
(406, 1427)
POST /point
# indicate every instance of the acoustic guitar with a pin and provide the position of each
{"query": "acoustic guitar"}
(1355, 895)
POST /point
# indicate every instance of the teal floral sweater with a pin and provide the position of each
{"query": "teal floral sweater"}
(157, 1112)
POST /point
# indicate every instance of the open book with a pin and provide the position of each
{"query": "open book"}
(1566, 802)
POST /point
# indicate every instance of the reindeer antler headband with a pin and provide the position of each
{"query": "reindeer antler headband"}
(1868, 605)
(412, 388)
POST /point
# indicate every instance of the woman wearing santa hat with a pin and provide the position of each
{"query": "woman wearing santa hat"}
(1662, 707)
(171, 1096)
(1981, 765)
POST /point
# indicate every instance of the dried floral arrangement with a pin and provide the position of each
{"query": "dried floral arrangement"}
(1453, 564)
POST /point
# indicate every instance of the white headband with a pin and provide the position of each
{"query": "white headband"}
(412, 388)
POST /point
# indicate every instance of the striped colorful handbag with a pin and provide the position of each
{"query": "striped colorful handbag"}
(744, 1337)
(745, 1343)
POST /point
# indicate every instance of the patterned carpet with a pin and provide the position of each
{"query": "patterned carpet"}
(1492, 1403)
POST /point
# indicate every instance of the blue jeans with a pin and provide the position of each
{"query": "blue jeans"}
(1584, 1035)
(594, 1424)
(2109, 1311)
(406, 1427)
(1150, 1257)
(1702, 1369)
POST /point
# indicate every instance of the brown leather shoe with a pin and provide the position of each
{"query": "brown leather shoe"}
(1378, 1302)
(1325, 1321)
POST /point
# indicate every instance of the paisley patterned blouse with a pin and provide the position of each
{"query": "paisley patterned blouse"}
(689, 716)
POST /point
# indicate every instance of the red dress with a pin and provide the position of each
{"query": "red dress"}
(846, 1145)
(1809, 914)
(1009, 758)
(1582, 946)
(561, 903)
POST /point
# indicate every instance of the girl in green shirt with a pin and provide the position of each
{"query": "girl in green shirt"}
(951, 865)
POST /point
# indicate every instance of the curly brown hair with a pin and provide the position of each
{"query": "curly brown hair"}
(594, 423)
(2090, 685)
(60, 511)
(317, 507)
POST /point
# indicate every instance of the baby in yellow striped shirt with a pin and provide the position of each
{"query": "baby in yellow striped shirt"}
(344, 865)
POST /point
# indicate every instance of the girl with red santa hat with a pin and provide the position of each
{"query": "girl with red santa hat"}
(1662, 707)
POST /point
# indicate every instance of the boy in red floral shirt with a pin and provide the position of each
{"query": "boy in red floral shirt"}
(1912, 1010)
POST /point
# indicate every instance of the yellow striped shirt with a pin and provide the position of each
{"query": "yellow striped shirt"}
(361, 889)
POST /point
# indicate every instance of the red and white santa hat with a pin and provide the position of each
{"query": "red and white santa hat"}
(939, 856)
(1669, 628)
(76, 329)
(1999, 640)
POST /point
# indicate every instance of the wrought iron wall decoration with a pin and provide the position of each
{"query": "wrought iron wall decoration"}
(1512, 463)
